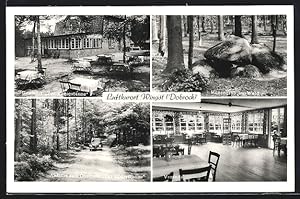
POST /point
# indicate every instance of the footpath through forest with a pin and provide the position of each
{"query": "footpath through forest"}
(88, 166)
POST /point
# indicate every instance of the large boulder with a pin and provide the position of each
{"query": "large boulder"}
(249, 71)
(203, 69)
(234, 50)
(265, 59)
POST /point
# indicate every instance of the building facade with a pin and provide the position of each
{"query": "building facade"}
(75, 45)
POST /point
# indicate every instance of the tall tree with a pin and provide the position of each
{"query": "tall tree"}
(18, 127)
(162, 35)
(39, 45)
(220, 28)
(265, 22)
(203, 24)
(175, 49)
(68, 124)
(274, 18)
(191, 40)
(33, 38)
(238, 26)
(124, 40)
(33, 134)
(254, 39)
(185, 27)
(199, 31)
(154, 29)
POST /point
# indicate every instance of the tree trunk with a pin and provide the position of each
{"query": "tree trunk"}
(75, 115)
(175, 49)
(56, 123)
(274, 31)
(191, 40)
(237, 26)
(199, 31)
(39, 45)
(18, 127)
(162, 35)
(254, 39)
(67, 114)
(33, 135)
(203, 24)
(83, 121)
(154, 29)
(220, 28)
(185, 28)
(265, 22)
(124, 41)
(33, 40)
(211, 24)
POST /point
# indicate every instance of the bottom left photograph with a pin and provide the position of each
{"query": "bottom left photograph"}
(81, 140)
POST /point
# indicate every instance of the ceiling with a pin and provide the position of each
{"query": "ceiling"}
(221, 105)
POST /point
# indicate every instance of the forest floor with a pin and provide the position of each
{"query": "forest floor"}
(138, 80)
(89, 166)
(135, 160)
(271, 84)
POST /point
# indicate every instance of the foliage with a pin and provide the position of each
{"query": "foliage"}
(184, 80)
(23, 172)
(30, 166)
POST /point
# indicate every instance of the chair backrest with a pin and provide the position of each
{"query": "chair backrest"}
(165, 178)
(76, 87)
(199, 174)
(213, 160)
(64, 85)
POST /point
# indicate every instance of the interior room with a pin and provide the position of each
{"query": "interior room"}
(247, 138)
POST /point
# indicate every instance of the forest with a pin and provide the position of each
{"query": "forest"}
(50, 133)
(220, 55)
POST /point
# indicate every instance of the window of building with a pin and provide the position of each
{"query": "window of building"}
(72, 43)
(77, 43)
(255, 122)
(216, 123)
(94, 43)
(191, 123)
(84, 43)
(59, 43)
(63, 43)
(67, 43)
(87, 43)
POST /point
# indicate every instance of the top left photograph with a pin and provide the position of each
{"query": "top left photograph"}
(81, 56)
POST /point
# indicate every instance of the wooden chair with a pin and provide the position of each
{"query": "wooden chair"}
(165, 178)
(65, 86)
(213, 162)
(199, 174)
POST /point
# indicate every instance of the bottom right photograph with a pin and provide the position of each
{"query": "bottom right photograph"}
(222, 140)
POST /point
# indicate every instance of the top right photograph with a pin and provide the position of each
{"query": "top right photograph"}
(240, 55)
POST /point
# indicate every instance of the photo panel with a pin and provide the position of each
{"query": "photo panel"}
(81, 55)
(220, 140)
(81, 140)
(220, 55)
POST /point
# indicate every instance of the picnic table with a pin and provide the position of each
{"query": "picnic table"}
(85, 85)
(82, 65)
(26, 77)
(163, 167)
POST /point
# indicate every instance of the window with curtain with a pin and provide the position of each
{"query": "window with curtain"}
(236, 122)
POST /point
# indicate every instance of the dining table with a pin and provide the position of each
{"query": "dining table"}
(86, 85)
(162, 167)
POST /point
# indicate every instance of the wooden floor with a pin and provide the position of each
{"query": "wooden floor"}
(244, 164)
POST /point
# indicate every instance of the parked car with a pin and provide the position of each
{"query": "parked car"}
(96, 144)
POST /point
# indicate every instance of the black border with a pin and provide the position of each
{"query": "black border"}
(3, 110)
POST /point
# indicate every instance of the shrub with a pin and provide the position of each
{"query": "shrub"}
(23, 172)
(184, 80)
(37, 164)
